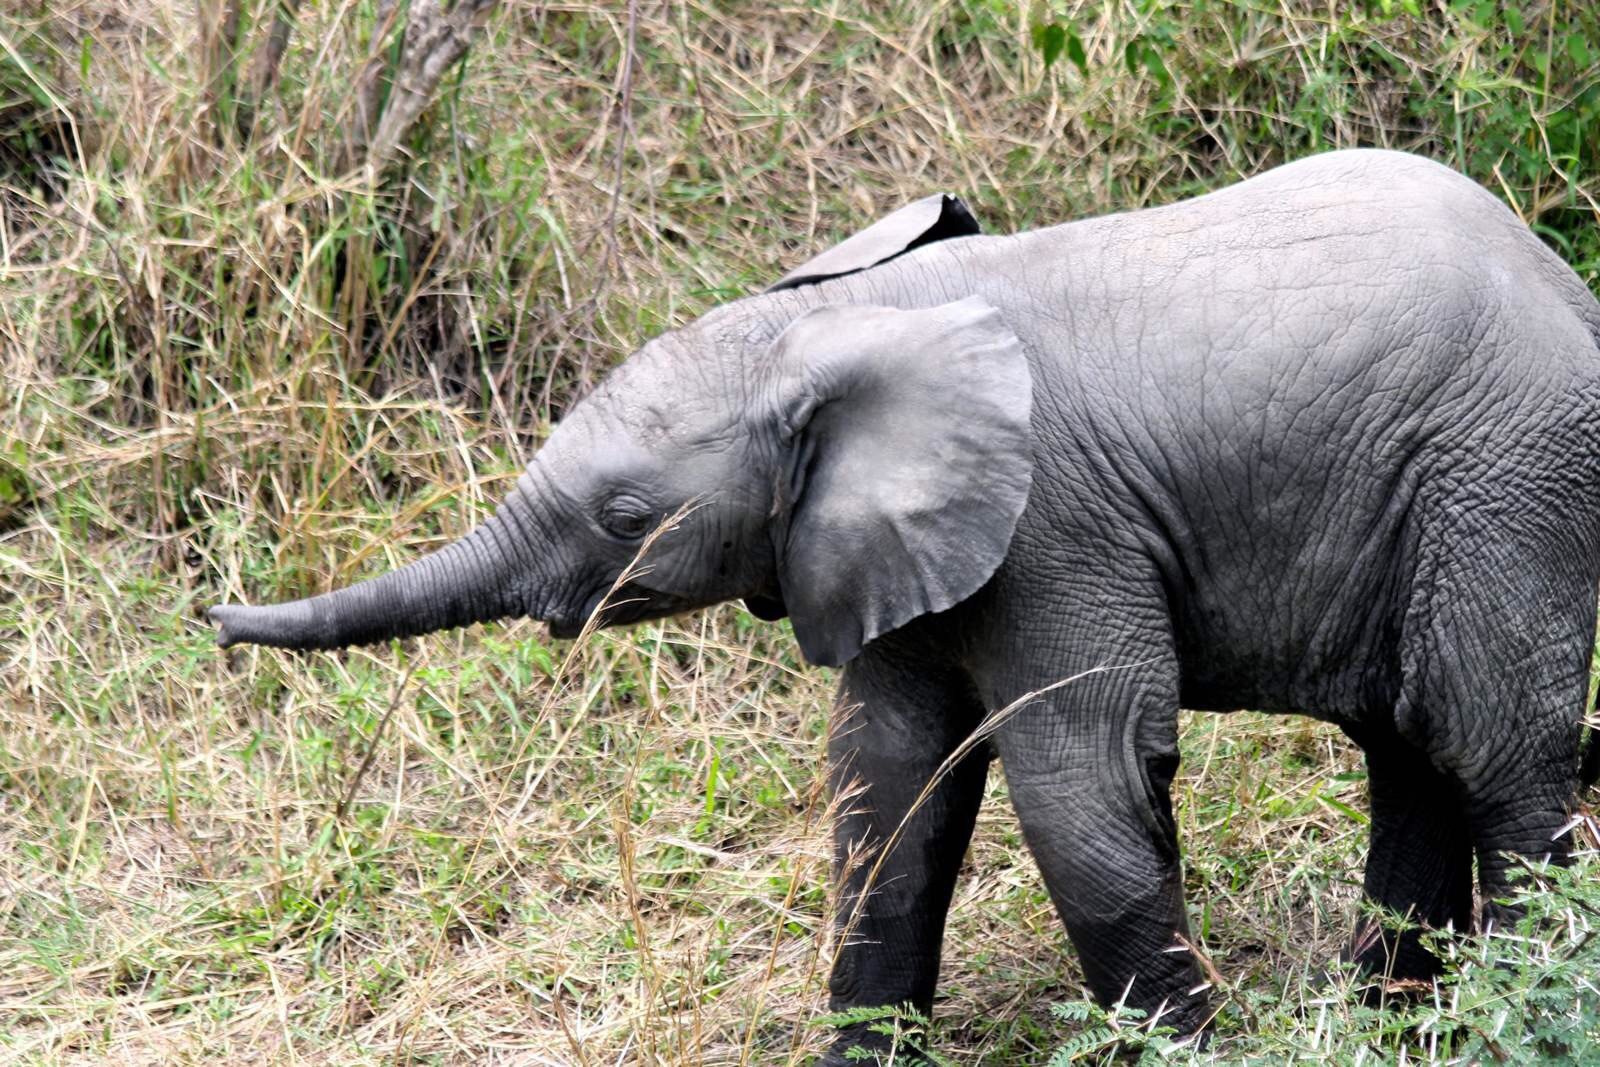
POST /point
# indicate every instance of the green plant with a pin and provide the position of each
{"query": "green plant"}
(1117, 1035)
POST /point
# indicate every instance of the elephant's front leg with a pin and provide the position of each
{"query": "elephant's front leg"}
(1090, 765)
(903, 708)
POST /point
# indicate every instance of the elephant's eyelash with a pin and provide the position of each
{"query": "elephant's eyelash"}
(626, 517)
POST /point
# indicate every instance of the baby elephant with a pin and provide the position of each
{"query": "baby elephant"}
(1326, 441)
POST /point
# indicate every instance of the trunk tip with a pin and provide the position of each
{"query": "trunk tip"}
(291, 625)
(227, 619)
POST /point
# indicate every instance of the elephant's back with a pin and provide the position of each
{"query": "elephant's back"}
(1367, 289)
(1346, 241)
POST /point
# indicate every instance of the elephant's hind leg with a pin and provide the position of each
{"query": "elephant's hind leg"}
(1495, 661)
(1419, 863)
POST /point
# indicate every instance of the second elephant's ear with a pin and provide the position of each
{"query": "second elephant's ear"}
(933, 218)
(907, 462)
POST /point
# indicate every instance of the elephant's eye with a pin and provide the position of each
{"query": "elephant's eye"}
(626, 517)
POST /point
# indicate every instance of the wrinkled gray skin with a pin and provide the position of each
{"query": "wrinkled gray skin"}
(1326, 442)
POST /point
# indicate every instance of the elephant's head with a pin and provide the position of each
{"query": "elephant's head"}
(850, 465)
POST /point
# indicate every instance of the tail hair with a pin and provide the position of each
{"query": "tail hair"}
(1589, 769)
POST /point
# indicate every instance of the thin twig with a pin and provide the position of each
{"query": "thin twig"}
(624, 131)
(372, 747)
(264, 70)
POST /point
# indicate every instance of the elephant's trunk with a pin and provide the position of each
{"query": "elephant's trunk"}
(488, 574)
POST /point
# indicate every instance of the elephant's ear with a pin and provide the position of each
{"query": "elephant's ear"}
(933, 218)
(908, 462)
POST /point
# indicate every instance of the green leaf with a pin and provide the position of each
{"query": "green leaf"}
(1075, 52)
(1156, 66)
(1049, 38)
(1578, 49)
(1346, 810)
(711, 782)
(541, 658)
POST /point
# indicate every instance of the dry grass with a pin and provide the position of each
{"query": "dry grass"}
(231, 372)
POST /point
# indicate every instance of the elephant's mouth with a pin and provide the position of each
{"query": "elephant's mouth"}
(629, 604)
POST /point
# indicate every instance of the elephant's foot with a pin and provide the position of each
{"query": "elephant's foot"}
(1392, 957)
(860, 1045)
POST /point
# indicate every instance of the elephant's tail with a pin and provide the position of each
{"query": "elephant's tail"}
(1589, 772)
(1589, 769)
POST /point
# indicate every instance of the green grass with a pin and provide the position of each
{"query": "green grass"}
(231, 372)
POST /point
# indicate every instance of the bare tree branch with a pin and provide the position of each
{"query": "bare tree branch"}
(435, 40)
(624, 131)
(265, 73)
(218, 24)
(268, 59)
(368, 102)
